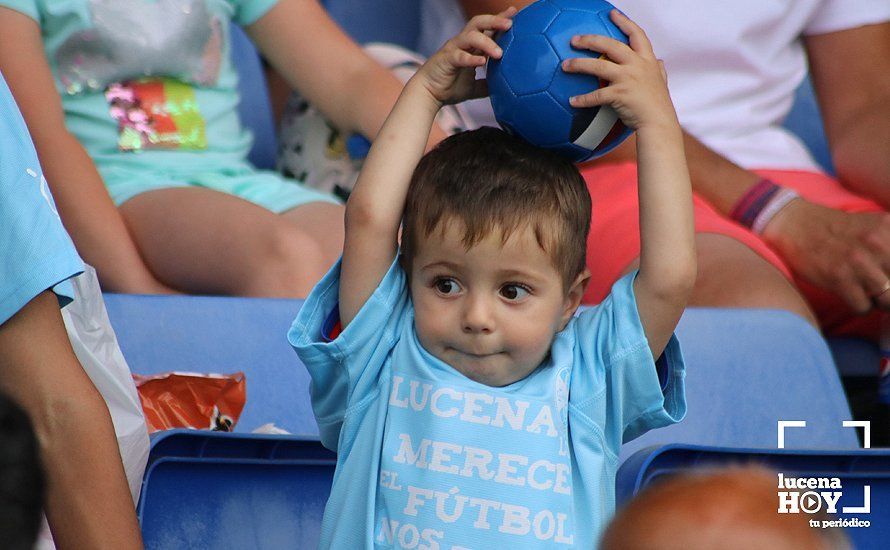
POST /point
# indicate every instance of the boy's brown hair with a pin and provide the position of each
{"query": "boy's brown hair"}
(489, 180)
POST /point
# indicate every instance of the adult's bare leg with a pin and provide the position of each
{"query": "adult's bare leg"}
(732, 275)
(88, 503)
(206, 242)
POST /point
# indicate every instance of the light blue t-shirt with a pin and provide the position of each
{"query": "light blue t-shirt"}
(427, 457)
(35, 250)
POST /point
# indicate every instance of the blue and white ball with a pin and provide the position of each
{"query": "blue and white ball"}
(530, 92)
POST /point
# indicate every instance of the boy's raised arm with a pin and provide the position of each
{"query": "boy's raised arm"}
(374, 210)
(638, 91)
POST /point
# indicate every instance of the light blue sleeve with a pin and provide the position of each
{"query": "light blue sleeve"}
(618, 385)
(248, 11)
(345, 370)
(28, 7)
(36, 252)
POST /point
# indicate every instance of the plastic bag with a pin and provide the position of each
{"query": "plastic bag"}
(192, 400)
(96, 347)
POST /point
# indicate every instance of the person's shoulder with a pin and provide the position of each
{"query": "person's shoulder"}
(32, 8)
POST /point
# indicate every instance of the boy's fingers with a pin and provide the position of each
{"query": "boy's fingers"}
(638, 39)
(489, 22)
(478, 42)
(462, 58)
(600, 96)
(599, 67)
(616, 51)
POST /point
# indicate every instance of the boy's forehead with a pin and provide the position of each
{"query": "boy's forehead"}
(520, 251)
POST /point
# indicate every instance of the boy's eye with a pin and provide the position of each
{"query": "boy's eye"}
(447, 287)
(514, 292)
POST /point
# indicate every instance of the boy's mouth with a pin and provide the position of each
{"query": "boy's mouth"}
(476, 355)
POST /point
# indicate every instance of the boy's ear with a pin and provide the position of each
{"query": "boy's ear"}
(573, 297)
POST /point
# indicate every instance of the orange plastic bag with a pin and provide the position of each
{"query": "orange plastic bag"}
(192, 400)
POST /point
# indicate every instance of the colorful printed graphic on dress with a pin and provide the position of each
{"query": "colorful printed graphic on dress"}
(156, 114)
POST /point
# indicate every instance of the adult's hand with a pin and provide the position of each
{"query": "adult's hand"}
(847, 254)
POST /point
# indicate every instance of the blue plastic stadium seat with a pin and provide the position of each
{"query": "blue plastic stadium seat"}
(854, 469)
(747, 369)
(805, 121)
(221, 335)
(234, 491)
(254, 108)
(394, 21)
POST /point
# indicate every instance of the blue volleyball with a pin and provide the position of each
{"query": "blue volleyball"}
(530, 92)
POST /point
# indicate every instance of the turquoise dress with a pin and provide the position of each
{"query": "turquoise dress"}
(149, 89)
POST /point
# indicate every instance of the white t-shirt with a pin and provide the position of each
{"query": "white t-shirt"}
(732, 67)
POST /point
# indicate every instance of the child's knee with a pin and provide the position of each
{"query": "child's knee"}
(289, 263)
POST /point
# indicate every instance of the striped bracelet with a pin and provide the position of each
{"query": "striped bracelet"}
(779, 201)
(760, 204)
(753, 202)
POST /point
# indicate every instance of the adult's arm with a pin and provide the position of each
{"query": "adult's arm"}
(88, 504)
(846, 254)
(850, 70)
(84, 205)
(331, 71)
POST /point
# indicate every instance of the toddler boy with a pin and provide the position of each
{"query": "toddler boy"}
(469, 407)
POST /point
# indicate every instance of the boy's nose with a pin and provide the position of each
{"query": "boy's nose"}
(477, 317)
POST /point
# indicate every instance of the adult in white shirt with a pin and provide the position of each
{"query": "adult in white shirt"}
(733, 70)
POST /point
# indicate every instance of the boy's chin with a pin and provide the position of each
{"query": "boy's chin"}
(493, 370)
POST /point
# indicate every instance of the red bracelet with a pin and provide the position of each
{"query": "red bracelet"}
(753, 202)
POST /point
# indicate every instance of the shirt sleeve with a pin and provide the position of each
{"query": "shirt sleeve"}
(617, 384)
(344, 369)
(249, 11)
(838, 15)
(28, 7)
(36, 252)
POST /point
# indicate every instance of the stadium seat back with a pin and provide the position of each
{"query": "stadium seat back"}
(254, 108)
(221, 335)
(748, 369)
(234, 491)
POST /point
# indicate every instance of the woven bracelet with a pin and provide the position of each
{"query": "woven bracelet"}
(779, 201)
(753, 202)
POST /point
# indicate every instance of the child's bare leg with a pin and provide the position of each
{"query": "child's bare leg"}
(323, 222)
(732, 275)
(206, 242)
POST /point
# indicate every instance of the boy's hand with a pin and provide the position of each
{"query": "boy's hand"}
(450, 74)
(637, 82)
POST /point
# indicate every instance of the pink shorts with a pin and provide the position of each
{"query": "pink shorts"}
(616, 222)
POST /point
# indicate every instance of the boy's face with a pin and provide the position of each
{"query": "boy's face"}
(490, 312)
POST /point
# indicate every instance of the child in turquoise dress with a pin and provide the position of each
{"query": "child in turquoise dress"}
(141, 95)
